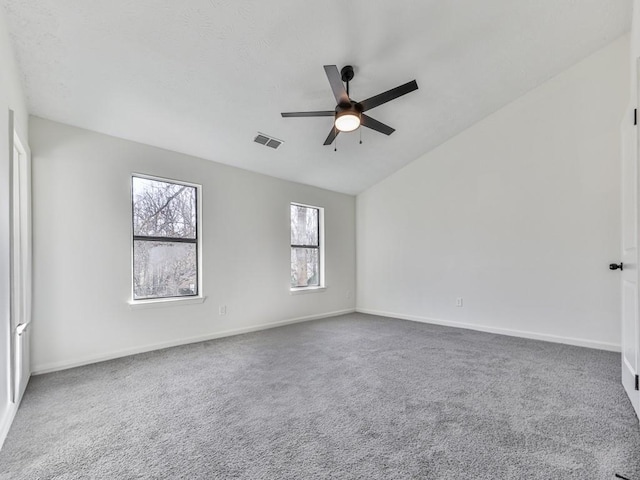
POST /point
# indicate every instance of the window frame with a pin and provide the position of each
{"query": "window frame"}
(198, 297)
(320, 247)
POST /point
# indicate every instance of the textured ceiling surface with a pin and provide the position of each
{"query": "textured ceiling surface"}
(202, 77)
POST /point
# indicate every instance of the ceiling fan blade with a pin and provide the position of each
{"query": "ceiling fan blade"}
(332, 136)
(322, 113)
(389, 95)
(374, 124)
(336, 84)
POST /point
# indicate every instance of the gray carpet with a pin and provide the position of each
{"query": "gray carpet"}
(353, 397)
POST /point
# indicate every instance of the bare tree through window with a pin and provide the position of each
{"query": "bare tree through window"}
(165, 239)
(305, 246)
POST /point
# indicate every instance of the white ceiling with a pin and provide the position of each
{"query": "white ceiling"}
(202, 77)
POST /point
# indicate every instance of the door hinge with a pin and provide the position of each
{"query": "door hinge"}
(637, 382)
(635, 116)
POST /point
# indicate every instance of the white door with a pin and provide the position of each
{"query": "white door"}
(629, 274)
(20, 209)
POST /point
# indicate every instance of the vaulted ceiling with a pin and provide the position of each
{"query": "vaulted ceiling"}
(202, 77)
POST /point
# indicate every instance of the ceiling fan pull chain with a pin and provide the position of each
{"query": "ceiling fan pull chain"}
(360, 135)
(335, 141)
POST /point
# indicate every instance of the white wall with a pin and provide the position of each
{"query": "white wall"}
(519, 215)
(82, 216)
(11, 98)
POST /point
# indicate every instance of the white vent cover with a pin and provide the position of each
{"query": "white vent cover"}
(267, 140)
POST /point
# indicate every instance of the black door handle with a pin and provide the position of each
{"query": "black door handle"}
(615, 266)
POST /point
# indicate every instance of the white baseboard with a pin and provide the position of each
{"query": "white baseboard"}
(56, 366)
(580, 342)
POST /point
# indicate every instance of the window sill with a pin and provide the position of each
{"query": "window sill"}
(304, 290)
(165, 302)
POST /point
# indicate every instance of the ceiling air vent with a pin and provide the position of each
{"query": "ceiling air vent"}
(267, 141)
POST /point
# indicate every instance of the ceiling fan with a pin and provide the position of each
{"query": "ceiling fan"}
(349, 114)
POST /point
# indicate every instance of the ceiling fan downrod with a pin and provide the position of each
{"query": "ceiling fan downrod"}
(347, 74)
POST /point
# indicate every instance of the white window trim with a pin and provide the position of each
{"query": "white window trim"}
(165, 302)
(323, 286)
(169, 301)
(305, 290)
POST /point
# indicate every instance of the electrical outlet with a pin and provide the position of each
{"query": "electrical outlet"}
(222, 310)
(459, 302)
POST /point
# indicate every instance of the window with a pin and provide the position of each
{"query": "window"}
(306, 247)
(165, 238)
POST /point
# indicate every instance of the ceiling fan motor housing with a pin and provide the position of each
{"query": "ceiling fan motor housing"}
(354, 108)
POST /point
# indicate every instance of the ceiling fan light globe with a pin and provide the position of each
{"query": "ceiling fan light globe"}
(347, 122)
